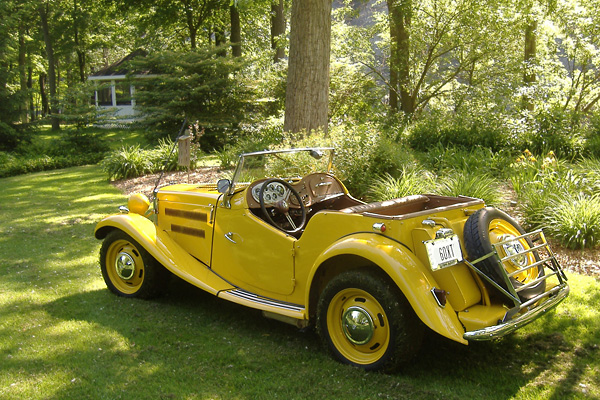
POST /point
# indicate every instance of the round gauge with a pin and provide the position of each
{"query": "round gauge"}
(273, 192)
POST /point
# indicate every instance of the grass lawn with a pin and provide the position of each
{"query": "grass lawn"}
(64, 336)
(116, 137)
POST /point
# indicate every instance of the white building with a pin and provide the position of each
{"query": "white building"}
(115, 95)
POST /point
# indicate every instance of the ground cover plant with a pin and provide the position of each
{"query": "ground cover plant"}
(63, 335)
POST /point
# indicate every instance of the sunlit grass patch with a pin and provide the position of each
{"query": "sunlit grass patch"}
(63, 335)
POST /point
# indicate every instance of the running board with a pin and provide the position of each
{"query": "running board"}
(248, 299)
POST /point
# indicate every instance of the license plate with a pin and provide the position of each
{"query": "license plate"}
(443, 252)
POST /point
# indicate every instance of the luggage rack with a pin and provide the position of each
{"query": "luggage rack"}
(544, 256)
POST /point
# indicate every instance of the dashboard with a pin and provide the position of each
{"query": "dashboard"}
(312, 189)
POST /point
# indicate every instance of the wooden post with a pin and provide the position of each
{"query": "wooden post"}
(184, 146)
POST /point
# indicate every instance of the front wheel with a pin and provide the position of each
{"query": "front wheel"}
(364, 321)
(129, 270)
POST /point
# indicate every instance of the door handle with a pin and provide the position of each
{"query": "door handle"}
(228, 236)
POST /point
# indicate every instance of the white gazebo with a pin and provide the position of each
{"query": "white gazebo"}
(114, 94)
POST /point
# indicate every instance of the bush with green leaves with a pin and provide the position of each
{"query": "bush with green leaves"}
(200, 85)
(132, 161)
(412, 180)
(24, 164)
(252, 137)
(459, 131)
(441, 158)
(562, 199)
(471, 183)
(574, 220)
(127, 162)
(557, 131)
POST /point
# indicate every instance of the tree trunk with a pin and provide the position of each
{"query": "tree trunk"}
(400, 13)
(529, 59)
(43, 95)
(236, 31)
(277, 29)
(43, 10)
(307, 92)
(78, 45)
(32, 115)
(22, 75)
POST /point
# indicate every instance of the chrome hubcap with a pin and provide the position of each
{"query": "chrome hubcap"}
(513, 248)
(358, 325)
(125, 266)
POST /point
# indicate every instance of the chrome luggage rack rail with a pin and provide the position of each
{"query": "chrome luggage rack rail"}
(545, 257)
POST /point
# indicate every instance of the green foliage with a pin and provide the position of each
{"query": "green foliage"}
(563, 199)
(255, 137)
(411, 180)
(471, 183)
(460, 131)
(76, 106)
(128, 162)
(557, 131)
(199, 85)
(19, 165)
(440, 158)
(574, 220)
(133, 161)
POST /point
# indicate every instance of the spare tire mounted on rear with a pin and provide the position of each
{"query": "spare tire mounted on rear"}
(488, 226)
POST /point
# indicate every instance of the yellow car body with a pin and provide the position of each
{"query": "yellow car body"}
(228, 240)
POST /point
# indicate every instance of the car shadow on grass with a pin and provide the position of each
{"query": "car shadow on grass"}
(189, 332)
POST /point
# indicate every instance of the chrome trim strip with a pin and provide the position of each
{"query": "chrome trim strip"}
(496, 331)
(242, 294)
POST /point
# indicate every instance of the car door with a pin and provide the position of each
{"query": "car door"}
(251, 254)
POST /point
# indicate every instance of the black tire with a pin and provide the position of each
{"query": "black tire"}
(129, 270)
(394, 335)
(489, 225)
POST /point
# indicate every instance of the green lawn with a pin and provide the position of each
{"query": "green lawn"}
(64, 336)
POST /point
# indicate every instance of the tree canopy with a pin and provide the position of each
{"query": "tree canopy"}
(404, 59)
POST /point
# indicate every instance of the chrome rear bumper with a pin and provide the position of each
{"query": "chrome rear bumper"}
(556, 296)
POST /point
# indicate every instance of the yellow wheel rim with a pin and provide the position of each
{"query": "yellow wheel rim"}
(358, 326)
(124, 266)
(500, 231)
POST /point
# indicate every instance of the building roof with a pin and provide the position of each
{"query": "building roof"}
(121, 67)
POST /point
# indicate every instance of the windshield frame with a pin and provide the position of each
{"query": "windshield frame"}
(314, 151)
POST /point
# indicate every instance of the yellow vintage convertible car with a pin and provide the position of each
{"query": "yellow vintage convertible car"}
(284, 236)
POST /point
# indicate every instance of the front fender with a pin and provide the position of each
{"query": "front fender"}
(410, 275)
(164, 249)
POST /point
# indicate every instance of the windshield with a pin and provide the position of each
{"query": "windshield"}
(285, 164)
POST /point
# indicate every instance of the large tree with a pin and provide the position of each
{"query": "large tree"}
(307, 92)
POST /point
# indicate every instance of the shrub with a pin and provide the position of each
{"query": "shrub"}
(472, 184)
(28, 163)
(200, 85)
(440, 158)
(457, 130)
(127, 162)
(415, 180)
(574, 220)
(554, 130)
(255, 137)
(164, 156)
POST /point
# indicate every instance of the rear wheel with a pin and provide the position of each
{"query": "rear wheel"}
(364, 321)
(129, 270)
(488, 226)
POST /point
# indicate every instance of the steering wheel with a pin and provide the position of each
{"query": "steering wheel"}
(283, 207)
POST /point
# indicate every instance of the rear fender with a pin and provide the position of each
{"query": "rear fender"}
(166, 251)
(410, 275)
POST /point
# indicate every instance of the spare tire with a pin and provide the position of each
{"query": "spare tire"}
(488, 226)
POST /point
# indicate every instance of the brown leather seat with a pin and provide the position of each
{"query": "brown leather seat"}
(387, 207)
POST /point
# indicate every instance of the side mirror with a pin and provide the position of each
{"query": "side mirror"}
(223, 185)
